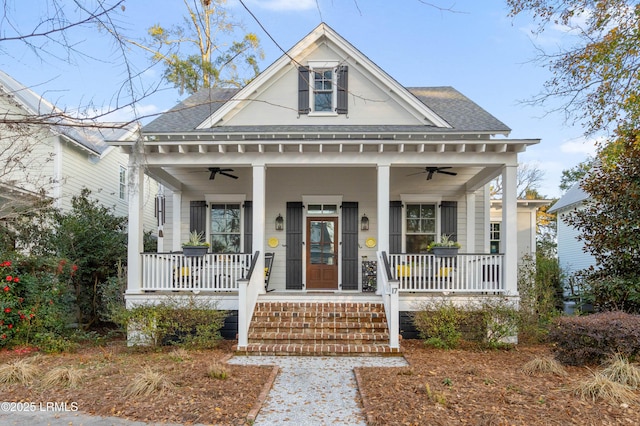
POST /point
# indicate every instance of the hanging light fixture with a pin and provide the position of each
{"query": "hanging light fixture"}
(364, 223)
(279, 223)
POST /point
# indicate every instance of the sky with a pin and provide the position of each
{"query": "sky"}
(471, 45)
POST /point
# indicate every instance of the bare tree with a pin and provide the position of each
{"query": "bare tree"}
(529, 177)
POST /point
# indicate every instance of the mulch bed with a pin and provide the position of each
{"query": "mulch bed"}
(466, 387)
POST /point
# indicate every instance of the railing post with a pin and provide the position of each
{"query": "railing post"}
(394, 321)
(243, 320)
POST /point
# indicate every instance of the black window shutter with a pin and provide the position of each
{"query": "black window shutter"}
(198, 217)
(449, 219)
(248, 226)
(303, 90)
(350, 245)
(343, 89)
(294, 246)
(395, 227)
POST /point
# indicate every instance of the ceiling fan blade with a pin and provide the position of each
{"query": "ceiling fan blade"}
(418, 173)
(447, 173)
(430, 174)
(228, 175)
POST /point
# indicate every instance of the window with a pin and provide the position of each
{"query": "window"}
(420, 227)
(323, 90)
(494, 237)
(316, 209)
(225, 228)
(123, 182)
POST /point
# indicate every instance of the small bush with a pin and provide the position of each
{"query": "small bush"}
(439, 324)
(600, 386)
(444, 325)
(22, 371)
(543, 365)
(593, 338)
(146, 383)
(63, 377)
(217, 370)
(182, 322)
(620, 370)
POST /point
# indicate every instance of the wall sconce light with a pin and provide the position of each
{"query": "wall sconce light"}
(364, 223)
(279, 223)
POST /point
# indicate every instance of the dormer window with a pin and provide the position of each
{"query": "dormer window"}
(323, 89)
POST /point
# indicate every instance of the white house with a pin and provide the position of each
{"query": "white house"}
(527, 216)
(345, 176)
(42, 152)
(571, 254)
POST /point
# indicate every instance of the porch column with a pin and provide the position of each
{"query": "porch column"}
(509, 230)
(470, 200)
(259, 197)
(135, 235)
(176, 210)
(383, 214)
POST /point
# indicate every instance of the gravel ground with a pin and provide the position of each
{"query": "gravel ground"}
(314, 390)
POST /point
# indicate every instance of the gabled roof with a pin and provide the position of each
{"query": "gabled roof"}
(463, 115)
(444, 109)
(90, 136)
(573, 196)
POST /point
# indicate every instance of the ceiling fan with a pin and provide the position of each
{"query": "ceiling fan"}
(430, 171)
(218, 170)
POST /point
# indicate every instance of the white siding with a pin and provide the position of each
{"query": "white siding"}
(570, 251)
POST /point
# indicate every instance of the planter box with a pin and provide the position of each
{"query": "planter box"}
(194, 251)
(445, 251)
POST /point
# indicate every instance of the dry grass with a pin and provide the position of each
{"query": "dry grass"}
(180, 354)
(217, 370)
(620, 370)
(63, 377)
(543, 365)
(600, 386)
(148, 382)
(22, 371)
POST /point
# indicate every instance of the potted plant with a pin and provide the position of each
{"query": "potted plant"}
(446, 247)
(196, 246)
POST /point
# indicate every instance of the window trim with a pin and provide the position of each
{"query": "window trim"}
(225, 199)
(323, 66)
(419, 199)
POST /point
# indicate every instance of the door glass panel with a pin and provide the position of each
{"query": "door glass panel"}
(322, 242)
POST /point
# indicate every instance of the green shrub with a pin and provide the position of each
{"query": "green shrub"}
(439, 323)
(593, 338)
(540, 290)
(491, 322)
(187, 322)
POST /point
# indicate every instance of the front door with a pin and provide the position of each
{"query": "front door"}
(322, 253)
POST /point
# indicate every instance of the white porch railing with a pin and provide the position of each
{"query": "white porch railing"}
(211, 272)
(390, 298)
(464, 273)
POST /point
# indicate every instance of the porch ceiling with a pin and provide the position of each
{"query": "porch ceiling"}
(404, 178)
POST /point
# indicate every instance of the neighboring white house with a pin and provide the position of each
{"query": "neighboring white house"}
(329, 163)
(571, 254)
(45, 153)
(527, 213)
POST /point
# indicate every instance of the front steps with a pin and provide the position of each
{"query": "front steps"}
(318, 328)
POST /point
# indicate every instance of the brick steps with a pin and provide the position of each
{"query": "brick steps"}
(318, 328)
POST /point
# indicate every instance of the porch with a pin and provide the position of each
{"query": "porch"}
(318, 322)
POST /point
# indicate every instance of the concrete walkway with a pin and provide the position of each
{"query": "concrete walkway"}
(314, 390)
(307, 391)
